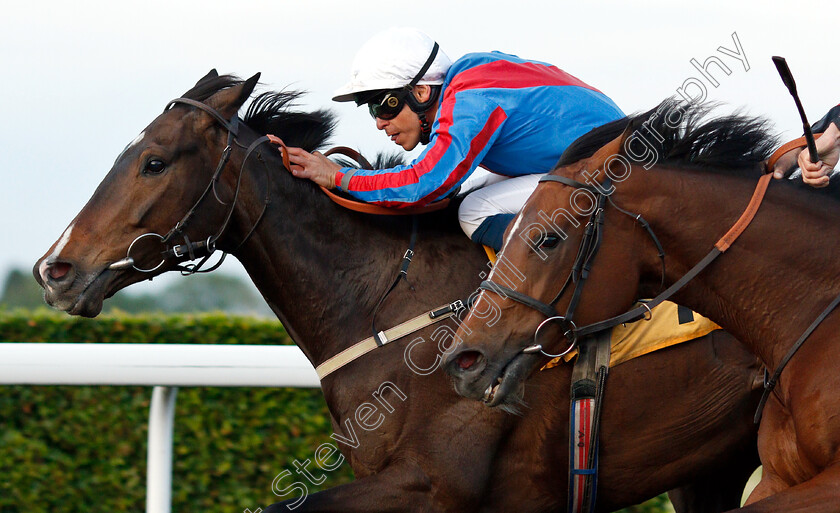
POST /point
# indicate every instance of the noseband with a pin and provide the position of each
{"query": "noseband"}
(190, 250)
(589, 246)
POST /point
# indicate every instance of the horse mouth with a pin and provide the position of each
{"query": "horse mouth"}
(85, 296)
(508, 386)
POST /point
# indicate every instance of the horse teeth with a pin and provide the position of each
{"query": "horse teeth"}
(490, 393)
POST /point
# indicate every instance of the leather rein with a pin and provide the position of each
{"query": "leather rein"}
(591, 243)
(589, 248)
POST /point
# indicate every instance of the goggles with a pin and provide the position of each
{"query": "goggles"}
(388, 106)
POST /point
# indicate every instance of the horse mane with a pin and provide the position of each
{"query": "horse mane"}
(271, 113)
(684, 134)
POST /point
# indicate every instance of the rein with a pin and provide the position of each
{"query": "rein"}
(572, 332)
(354, 205)
(589, 246)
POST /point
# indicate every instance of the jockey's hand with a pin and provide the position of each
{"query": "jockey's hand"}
(815, 174)
(786, 164)
(314, 166)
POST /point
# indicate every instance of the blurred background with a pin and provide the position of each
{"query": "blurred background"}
(81, 80)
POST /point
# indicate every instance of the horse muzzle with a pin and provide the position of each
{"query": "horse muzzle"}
(492, 382)
(70, 288)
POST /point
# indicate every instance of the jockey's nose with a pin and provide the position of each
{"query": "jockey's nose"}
(381, 123)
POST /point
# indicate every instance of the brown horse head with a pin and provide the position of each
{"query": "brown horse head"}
(573, 256)
(546, 233)
(153, 183)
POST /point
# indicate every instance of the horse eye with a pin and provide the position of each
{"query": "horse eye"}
(549, 241)
(154, 167)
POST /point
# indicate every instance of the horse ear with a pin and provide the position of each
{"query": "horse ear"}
(211, 74)
(614, 147)
(228, 101)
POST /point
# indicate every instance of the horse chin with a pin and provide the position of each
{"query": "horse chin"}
(85, 296)
(507, 390)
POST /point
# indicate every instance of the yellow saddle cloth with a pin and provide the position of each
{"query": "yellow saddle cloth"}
(669, 325)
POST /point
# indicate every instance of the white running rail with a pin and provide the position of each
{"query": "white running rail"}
(164, 367)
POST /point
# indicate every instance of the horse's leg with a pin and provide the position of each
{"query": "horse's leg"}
(398, 488)
(714, 494)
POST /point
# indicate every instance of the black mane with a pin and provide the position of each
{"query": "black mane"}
(735, 141)
(271, 113)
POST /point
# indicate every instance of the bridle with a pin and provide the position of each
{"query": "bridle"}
(589, 248)
(192, 250)
(573, 333)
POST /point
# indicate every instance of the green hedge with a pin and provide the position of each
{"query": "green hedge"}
(83, 449)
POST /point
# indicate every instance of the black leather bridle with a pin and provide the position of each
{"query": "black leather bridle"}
(203, 249)
(589, 246)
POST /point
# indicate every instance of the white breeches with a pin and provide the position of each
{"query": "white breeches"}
(490, 194)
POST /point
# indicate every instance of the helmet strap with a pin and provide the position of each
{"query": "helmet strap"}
(419, 107)
(425, 130)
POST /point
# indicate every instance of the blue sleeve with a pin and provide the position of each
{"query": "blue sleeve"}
(466, 127)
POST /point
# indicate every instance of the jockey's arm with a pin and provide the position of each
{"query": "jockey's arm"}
(463, 133)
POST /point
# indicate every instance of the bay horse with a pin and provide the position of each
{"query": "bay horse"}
(690, 177)
(322, 269)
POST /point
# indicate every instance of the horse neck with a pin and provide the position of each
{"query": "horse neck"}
(773, 281)
(322, 268)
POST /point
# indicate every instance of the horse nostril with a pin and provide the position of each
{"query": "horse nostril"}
(58, 270)
(467, 359)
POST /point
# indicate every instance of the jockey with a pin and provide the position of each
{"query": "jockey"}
(511, 116)
(815, 174)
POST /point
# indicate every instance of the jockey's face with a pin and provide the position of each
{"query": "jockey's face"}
(404, 128)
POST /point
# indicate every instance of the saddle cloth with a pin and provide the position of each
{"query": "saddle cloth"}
(669, 325)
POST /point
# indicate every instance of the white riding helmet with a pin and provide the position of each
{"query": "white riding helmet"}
(391, 60)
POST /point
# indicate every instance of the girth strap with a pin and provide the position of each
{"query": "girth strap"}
(588, 382)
